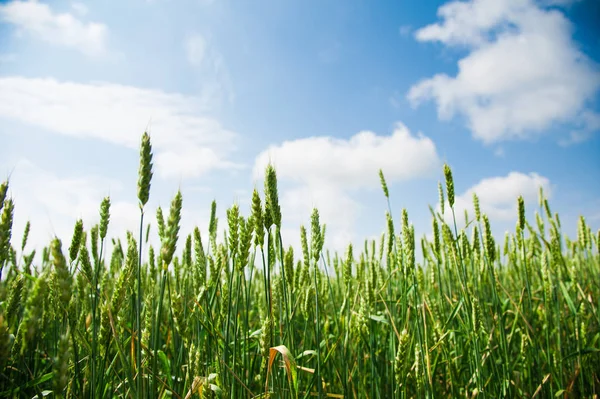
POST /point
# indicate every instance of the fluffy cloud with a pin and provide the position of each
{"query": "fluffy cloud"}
(62, 29)
(186, 144)
(352, 163)
(522, 74)
(498, 196)
(324, 173)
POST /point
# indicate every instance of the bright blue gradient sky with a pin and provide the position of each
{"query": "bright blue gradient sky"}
(505, 91)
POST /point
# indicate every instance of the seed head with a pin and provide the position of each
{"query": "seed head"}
(436, 237)
(233, 216)
(25, 235)
(104, 217)
(409, 247)
(132, 252)
(547, 209)
(171, 234)
(521, 205)
(14, 298)
(490, 245)
(94, 242)
(475, 239)
(315, 234)
(390, 233)
(476, 206)
(304, 243)
(272, 197)
(160, 220)
(86, 264)
(288, 264)
(3, 191)
(187, 253)
(449, 184)
(214, 221)
(384, 184)
(246, 227)
(145, 170)
(63, 277)
(76, 240)
(257, 218)
(582, 236)
(6, 222)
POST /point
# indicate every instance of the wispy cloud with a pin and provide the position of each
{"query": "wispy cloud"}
(62, 29)
(209, 65)
(187, 143)
(195, 47)
(589, 123)
(523, 73)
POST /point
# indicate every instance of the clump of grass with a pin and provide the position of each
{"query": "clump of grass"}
(473, 317)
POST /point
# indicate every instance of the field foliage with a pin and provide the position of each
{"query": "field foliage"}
(238, 314)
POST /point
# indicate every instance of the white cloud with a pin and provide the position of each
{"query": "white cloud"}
(523, 72)
(195, 47)
(63, 29)
(54, 203)
(325, 173)
(352, 163)
(186, 144)
(498, 196)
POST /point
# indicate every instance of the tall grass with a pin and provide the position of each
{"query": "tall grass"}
(245, 316)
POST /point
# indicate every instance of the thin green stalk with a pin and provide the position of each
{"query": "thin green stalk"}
(138, 311)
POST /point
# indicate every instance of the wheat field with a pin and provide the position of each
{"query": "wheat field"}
(238, 314)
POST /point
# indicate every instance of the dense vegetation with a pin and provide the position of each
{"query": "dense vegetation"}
(245, 316)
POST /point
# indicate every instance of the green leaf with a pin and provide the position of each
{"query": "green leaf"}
(568, 298)
(379, 318)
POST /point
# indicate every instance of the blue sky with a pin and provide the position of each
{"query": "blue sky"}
(505, 91)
